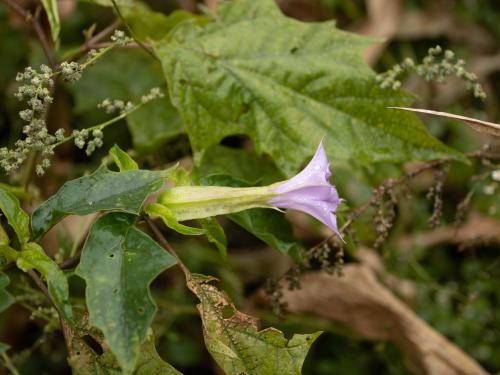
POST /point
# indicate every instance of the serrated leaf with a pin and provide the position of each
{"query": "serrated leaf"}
(236, 344)
(157, 210)
(16, 217)
(5, 298)
(215, 234)
(118, 263)
(52, 12)
(287, 91)
(240, 164)
(127, 75)
(31, 257)
(146, 23)
(102, 190)
(123, 160)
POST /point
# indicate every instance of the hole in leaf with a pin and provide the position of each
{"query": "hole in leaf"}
(237, 141)
(294, 49)
(140, 311)
(115, 291)
(227, 312)
(111, 255)
(93, 344)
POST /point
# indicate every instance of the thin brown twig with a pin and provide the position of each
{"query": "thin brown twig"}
(64, 325)
(70, 262)
(46, 44)
(164, 243)
(39, 283)
(131, 32)
(34, 20)
(93, 42)
(15, 6)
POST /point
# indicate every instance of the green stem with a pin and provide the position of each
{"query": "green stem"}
(102, 125)
(30, 168)
(8, 363)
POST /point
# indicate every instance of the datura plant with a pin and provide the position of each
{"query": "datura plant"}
(309, 191)
(179, 150)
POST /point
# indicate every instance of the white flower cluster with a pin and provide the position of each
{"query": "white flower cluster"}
(436, 66)
(35, 91)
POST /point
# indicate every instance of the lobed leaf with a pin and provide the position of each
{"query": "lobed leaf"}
(16, 217)
(118, 263)
(287, 91)
(32, 256)
(103, 190)
(85, 361)
(123, 160)
(233, 340)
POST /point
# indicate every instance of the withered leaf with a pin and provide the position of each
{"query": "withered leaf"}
(235, 342)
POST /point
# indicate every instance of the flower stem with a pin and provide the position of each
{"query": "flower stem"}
(103, 125)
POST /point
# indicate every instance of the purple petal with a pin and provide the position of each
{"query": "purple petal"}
(318, 201)
(316, 173)
(310, 191)
(321, 210)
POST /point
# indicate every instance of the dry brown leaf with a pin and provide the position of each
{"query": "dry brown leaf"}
(478, 125)
(365, 305)
(374, 261)
(476, 228)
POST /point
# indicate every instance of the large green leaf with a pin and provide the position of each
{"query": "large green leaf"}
(127, 75)
(53, 17)
(287, 84)
(16, 217)
(118, 263)
(32, 256)
(240, 164)
(102, 190)
(236, 344)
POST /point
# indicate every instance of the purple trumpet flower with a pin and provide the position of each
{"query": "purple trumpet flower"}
(310, 191)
